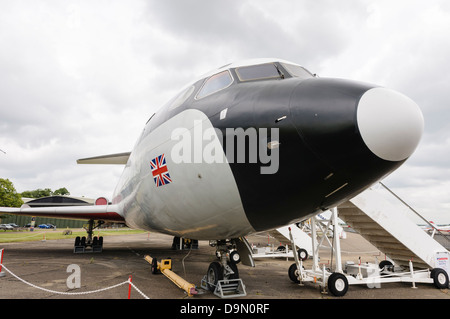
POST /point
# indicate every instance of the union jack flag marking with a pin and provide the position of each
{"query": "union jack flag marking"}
(159, 170)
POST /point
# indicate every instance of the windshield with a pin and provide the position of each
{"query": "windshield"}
(258, 72)
(297, 71)
(215, 83)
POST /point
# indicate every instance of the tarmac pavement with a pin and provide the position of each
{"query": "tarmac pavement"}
(44, 265)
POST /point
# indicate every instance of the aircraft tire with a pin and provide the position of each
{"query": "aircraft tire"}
(214, 274)
(235, 258)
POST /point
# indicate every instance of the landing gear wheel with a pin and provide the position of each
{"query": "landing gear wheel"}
(293, 273)
(337, 284)
(235, 258)
(214, 274)
(89, 243)
(440, 278)
(154, 266)
(302, 254)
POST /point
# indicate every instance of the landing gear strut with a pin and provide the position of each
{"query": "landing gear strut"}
(89, 243)
(179, 243)
(222, 277)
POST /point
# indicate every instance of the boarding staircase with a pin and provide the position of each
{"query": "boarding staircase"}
(301, 238)
(386, 223)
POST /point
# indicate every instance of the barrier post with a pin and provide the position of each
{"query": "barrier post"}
(129, 287)
(2, 274)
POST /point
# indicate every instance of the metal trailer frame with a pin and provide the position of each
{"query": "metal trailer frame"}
(274, 253)
(338, 281)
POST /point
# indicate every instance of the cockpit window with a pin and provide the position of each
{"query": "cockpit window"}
(215, 83)
(259, 72)
(297, 71)
(181, 97)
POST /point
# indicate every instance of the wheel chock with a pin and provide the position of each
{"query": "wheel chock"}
(165, 267)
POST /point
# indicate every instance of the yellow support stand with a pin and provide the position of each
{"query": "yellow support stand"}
(165, 267)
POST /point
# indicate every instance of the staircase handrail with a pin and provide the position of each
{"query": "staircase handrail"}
(415, 212)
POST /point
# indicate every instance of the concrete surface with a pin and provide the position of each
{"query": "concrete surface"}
(44, 264)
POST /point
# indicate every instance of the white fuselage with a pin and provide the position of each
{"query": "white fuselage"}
(317, 142)
(201, 202)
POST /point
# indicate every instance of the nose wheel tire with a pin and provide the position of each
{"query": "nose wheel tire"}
(235, 258)
(214, 274)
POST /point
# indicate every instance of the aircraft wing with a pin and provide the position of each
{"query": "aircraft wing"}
(96, 212)
(120, 159)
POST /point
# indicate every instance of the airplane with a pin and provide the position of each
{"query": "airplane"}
(434, 227)
(249, 147)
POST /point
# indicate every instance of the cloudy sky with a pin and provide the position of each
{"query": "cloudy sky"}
(81, 78)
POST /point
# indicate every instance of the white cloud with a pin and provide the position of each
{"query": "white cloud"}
(80, 78)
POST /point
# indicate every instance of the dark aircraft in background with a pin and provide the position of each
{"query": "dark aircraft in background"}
(249, 147)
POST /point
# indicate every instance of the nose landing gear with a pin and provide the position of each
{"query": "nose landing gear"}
(222, 277)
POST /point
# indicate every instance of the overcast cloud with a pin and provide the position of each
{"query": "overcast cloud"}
(81, 78)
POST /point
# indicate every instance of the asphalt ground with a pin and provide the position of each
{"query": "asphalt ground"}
(44, 265)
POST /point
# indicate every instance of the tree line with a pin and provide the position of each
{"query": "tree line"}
(9, 197)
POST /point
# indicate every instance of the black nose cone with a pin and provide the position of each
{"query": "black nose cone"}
(362, 132)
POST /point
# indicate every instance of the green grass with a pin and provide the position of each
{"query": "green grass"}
(50, 234)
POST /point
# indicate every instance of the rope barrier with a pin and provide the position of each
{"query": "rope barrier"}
(79, 293)
(138, 290)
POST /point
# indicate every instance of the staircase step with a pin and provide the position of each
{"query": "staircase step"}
(386, 226)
